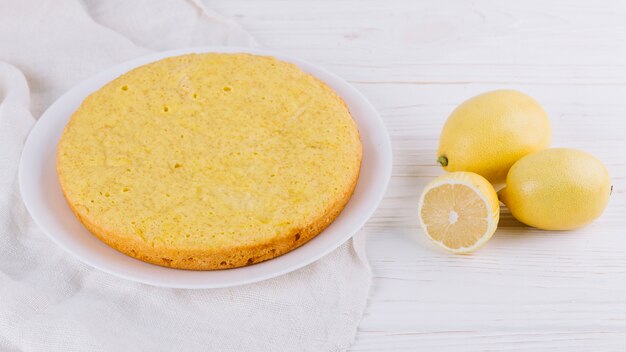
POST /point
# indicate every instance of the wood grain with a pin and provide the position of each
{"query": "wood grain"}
(527, 289)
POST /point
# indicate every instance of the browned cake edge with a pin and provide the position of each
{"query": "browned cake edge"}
(195, 259)
(210, 260)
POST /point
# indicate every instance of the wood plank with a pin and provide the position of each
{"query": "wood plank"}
(527, 289)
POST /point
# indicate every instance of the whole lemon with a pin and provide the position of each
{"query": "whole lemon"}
(488, 133)
(557, 189)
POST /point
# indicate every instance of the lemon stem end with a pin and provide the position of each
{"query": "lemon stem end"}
(442, 160)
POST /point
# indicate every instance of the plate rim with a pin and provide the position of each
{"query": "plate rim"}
(110, 73)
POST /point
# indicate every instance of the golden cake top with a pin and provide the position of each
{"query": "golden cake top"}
(208, 151)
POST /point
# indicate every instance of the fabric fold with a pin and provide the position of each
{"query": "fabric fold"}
(49, 301)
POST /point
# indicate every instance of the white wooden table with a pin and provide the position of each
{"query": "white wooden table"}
(415, 60)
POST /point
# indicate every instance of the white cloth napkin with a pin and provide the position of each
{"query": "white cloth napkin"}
(49, 301)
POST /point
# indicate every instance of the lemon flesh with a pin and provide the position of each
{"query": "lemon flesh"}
(459, 211)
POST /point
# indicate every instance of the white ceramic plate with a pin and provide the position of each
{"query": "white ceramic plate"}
(43, 197)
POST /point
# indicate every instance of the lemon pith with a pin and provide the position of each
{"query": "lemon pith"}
(459, 211)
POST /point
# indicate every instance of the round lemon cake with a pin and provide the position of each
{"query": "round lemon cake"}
(209, 161)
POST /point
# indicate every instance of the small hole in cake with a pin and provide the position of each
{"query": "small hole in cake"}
(227, 89)
(107, 194)
(167, 194)
(188, 235)
(182, 136)
(166, 108)
(127, 170)
(124, 88)
(133, 222)
(177, 165)
(125, 189)
(92, 200)
(297, 237)
(250, 261)
(223, 263)
(195, 95)
(168, 261)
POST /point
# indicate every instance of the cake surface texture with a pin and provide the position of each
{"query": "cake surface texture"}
(209, 161)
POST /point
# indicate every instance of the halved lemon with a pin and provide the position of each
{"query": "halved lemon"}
(459, 211)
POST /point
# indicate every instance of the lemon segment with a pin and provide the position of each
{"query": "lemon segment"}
(459, 211)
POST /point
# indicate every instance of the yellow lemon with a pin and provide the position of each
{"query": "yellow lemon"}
(459, 211)
(488, 133)
(557, 189)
